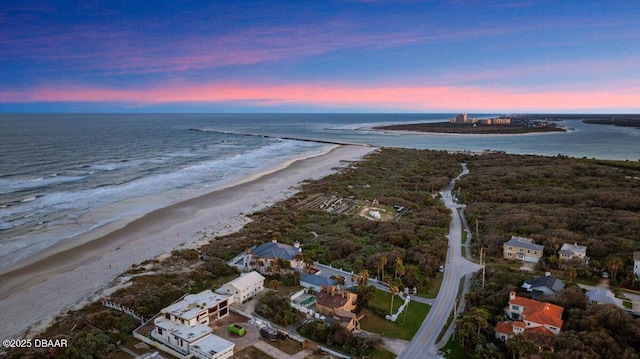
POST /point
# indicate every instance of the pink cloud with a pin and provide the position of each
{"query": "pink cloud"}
(337, 96)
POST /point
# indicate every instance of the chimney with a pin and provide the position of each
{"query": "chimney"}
(547, 274)
(274, 241)
(296, 244)
(512, 295)
(333, 290)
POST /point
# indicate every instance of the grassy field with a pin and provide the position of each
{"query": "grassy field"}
(453, 350)
(288, 346)
(404, 328)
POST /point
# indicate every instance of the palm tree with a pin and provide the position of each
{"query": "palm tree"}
(614, 264)
(296, 277)
(363, 277)
(394, 291)
(382, 261)
(399, 267)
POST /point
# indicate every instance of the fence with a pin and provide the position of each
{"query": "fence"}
(125, 310)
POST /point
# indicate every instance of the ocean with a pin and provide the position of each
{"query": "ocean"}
(62, 175)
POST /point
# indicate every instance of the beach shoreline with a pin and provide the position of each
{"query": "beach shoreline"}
(75, 272)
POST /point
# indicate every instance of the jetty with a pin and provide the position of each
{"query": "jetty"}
(330, 142)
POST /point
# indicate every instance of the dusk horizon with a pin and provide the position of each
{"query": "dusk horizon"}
(334, 57)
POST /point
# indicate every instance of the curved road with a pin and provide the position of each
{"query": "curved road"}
(423, 343)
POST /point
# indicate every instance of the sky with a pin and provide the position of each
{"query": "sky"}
(320, 56)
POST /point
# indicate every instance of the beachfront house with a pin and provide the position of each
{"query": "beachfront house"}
(268, 256)
(545, 286)
(244, 287)
(569, 251)
(528, 315)
(202, 308)
(522, 249)
(183, 327)
(338, 304)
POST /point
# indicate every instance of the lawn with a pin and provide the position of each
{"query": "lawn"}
(288, 346)
(404, 328)
(453, 350)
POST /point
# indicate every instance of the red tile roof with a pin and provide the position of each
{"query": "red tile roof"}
(540, 312)
(504, 327)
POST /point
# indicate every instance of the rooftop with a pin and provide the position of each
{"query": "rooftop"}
(547, 281)
(212, 344)
(603, 296)
(540, 312)
(187, 333)
(276, 250)
(522, 242)
(245, 281)
(193, 304)
(338, 300)
(574, 249)
(318, 280)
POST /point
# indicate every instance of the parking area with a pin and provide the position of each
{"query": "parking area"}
(220, 328)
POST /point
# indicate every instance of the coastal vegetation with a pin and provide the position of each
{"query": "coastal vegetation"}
(557, 200)
(553, 200)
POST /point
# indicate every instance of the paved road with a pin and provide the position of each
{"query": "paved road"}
(423, 343)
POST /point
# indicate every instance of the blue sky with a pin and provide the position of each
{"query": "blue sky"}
(320, 56)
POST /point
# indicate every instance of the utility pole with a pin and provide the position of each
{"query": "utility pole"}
(482, 264)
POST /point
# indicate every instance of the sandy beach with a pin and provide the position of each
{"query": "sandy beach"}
(69, 275)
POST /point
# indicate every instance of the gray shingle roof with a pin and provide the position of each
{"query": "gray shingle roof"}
(276, 250)
(318, 280)
(550, 282)
(526, 243)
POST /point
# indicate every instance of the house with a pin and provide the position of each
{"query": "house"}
(202, 308)
(528, 315)
(316, 282)
(603, 296)
(338, 304)
(522, 249)
(636, 263)
(263, 256)
(191, 340)
(184, 326)
(244, 287)
(575, 250)
(545, 286)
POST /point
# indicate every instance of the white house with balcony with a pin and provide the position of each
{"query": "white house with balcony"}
(202, 308)
(183, 326)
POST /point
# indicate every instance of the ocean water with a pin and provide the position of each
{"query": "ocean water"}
(58, 172)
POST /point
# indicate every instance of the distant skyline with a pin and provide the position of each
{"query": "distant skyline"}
(320, 56)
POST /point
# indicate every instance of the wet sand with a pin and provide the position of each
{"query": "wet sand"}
(34, 291)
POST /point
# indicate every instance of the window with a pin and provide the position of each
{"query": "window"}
(528, 251)
(509, 254)
(521, 250)
(535, 252)
(167, 315)
(160, 331)
(510, 248)
(515, 307)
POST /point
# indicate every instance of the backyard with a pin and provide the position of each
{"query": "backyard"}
(407, 324)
